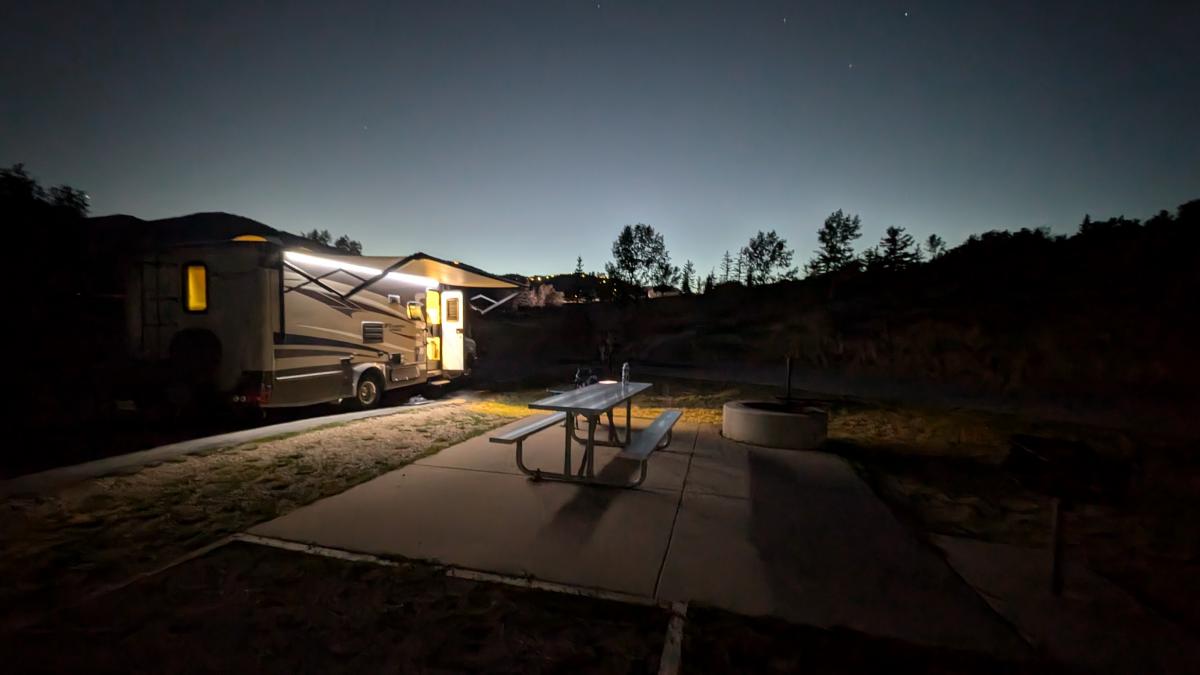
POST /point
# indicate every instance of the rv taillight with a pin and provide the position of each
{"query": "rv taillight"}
(264, 394)
(254, 395)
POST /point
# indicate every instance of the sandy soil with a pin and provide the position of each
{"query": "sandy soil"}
(105, 530)
(247, 608)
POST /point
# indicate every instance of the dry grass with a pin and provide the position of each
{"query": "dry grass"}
(108, 529)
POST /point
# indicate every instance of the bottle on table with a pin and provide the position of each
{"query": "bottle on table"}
(625, 374)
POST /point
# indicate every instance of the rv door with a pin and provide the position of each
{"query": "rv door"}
(452, 330)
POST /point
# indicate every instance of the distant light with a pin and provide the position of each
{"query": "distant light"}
(425, 282)
(249, 237)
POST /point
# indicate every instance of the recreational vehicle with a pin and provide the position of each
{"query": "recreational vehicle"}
(269, 325)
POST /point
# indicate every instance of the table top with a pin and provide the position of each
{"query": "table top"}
(592, 399)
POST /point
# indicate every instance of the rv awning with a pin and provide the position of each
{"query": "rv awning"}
(373, 269)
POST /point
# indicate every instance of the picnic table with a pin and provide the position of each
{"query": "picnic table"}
(592, 402)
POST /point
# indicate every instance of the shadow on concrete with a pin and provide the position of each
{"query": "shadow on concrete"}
(577, 519)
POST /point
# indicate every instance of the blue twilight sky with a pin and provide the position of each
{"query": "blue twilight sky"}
(517, 135)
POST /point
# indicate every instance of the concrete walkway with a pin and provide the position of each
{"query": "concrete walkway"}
(757, 531)
(51, 479)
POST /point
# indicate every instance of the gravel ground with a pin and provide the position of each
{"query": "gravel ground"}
(106, 530)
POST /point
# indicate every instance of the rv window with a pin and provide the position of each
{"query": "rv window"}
(195, 288)
(414, 311)
(452, 309)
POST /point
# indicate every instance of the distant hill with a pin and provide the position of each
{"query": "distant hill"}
(135, 233)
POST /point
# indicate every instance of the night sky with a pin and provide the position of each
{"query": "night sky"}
(516, 135)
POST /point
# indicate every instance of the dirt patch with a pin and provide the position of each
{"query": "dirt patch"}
(106, 530)
(247, 608)
(719, 642)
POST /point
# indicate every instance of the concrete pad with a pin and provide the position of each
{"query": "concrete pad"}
(810, 543)
(1094, 624)
(595, 537)
(793, 534)
(723, 467)
(544, 450)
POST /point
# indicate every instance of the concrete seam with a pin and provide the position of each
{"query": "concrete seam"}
(675, 519)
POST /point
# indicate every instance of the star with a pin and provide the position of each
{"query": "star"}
(785, 19)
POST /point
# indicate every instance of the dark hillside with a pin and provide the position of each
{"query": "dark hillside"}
(1107, 315)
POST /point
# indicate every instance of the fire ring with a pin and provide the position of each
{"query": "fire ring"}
(795, 425)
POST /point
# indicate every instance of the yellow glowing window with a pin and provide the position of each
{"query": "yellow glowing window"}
(195, 291)
(433, 347)
(433, 307)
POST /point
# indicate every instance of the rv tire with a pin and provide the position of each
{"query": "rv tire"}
(369, 390)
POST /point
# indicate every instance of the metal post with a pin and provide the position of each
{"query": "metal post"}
(788, 396)
(591, 445)
(628, 420)
(567, 446)
(1057, 507)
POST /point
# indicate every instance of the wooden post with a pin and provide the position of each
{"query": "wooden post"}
(788, 396)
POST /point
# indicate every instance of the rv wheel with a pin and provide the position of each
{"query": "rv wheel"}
(369, 390)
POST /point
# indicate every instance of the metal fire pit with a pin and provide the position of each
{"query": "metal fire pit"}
(795, 425)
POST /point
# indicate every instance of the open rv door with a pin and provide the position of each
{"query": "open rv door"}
(453, 335)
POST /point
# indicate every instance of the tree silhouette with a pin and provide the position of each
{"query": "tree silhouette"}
(739, 268)
(665, 274)
(726, 267)
(897, 250)
(689, 274)
(348, 245)
(343, 243)
(935, 245)
(836, 239)
(319, 236)
(768, 259)
(710, 281)
(21, 192)
(578, 264)
(640, 257)
(17, 187)
(69, 199)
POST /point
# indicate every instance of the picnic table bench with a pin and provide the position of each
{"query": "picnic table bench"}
(591, 402)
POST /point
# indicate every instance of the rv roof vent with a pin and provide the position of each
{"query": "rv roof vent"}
(372, 331)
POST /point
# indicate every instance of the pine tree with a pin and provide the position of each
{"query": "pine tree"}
(897, 250)
(689, 271)
(836, 238)
(579, 265)
(726, 267)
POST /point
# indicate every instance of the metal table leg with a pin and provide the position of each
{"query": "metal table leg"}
(591, 446)
(570, 421)
(628, 420)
